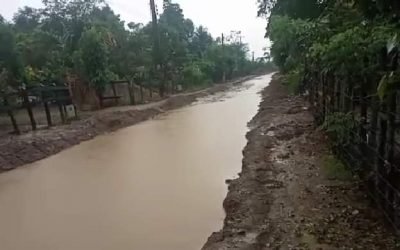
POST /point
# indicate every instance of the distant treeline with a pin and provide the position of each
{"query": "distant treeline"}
(85, 39)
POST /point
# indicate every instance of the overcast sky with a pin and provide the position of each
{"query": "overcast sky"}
(217, 15)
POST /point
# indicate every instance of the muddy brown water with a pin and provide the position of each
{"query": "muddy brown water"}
(158, 185)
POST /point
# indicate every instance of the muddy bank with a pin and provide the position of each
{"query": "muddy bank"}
(33, 146)
(285, 198)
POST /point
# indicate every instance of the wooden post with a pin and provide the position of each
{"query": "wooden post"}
(331, 91)
(48, 114)
(323, 104)
(372, 141)
(11, 115)
(114, 93)
(311, 90)
(338, 87)
(131, 93)
(151, 92)
(362, 133)
(320, 98)
(28, 107)
(62, 115)
(354, 95)
(346, 96)
(381, 133)
(373, 155)
(76, 111)
(391, 171)
(316, 97)
(46, 109)
(100, 96)
(392, 175)
(141, 93)
(382, 140)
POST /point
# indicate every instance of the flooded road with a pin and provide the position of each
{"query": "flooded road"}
(158, 185)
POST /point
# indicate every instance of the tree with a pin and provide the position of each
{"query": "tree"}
(41, 53)
(201, 41)
(27, 19)
(87, 39)
(304, 9)
(10, 63)
(175, 32)
(93, 58)
(136, 52)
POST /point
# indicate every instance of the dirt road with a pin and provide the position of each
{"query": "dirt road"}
(291, 194)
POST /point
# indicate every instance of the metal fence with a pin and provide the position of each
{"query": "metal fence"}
(40, 96)
(372, 145)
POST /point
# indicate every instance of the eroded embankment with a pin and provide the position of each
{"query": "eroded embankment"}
(285, 198)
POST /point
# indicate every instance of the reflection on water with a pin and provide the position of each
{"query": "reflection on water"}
(158, 185)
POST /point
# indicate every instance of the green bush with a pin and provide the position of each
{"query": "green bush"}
(195, 73)
(335, 169)
(292, 80)
(340, 126)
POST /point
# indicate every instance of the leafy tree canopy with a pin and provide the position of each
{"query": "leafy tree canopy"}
(87, 39)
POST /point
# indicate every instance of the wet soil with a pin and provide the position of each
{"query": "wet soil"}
(284, 198)
(18, 150)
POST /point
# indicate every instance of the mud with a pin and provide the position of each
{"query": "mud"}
(284, 198)
(18, 150)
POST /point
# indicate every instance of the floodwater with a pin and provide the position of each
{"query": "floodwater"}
(158, 185)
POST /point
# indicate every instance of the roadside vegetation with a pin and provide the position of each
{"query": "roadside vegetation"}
(344, 55)
(345, 38)
(334, 169)
(87, 40)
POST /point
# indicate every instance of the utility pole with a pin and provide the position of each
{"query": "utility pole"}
(156, 45)
(253, 56)
(223, 58)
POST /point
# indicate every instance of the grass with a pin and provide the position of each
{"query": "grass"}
(292, 81)
(335, 169)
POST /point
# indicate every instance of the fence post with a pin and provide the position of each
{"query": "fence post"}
(114, 93)
(151, 92)
(141, 93)
(337, 93)
(48, 114)
(318, 94)
(390, 172)
(60, 109)
(324, 102)
(76, 112)
(310, 85)
(346, 95)
(382, 140)
(331, 93)
(11, 115)
(28, 107)
(131, 93)
(46, 109)
(363, 128)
